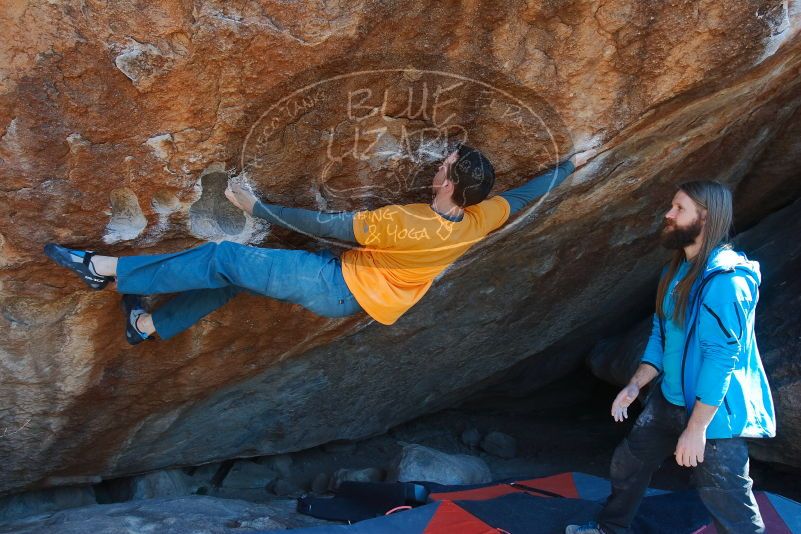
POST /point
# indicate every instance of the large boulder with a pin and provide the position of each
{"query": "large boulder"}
(120, 123)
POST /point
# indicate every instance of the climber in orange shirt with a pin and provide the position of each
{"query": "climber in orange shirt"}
(401, 249)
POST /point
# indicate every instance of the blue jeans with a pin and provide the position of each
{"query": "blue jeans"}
(209, 275)
(721, 479)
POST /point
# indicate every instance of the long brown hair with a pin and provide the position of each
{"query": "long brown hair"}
(715, 204)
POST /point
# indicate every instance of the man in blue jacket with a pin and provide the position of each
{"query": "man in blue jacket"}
(713, 391)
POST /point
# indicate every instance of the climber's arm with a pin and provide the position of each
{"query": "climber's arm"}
(537, 186)
(337, 225)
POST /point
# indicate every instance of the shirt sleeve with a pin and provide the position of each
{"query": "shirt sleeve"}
(721, 332)
(537, 186)
(337, 225)
(494, 212)
(655, 349)
(654, 353)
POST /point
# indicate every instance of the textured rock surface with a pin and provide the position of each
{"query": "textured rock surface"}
(500, 444)
(117, 121)
(177, 515)
(417, 462)
(42, 501)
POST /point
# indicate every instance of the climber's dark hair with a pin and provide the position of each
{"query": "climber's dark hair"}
(472, 175)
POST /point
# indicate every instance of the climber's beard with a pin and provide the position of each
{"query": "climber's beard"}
(674, 237)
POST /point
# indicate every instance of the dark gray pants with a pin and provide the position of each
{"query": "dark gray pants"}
(721, 479)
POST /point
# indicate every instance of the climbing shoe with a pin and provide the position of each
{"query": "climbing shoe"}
(79, 262)
(132, 306)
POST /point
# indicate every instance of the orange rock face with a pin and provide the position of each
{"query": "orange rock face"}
(121, 122)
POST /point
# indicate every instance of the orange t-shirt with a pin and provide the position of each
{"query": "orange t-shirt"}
(404, 247)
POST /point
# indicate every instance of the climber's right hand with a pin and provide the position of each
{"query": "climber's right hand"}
(620, 407)
(581, 158)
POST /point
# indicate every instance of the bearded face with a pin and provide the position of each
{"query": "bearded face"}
(683, 223)
(675, 236)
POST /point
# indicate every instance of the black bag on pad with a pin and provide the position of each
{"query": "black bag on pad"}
(357, 501)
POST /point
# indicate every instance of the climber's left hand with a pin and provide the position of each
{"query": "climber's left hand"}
(690, 448)
(241, 197)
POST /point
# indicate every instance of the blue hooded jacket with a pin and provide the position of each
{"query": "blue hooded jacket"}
(721, 363)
